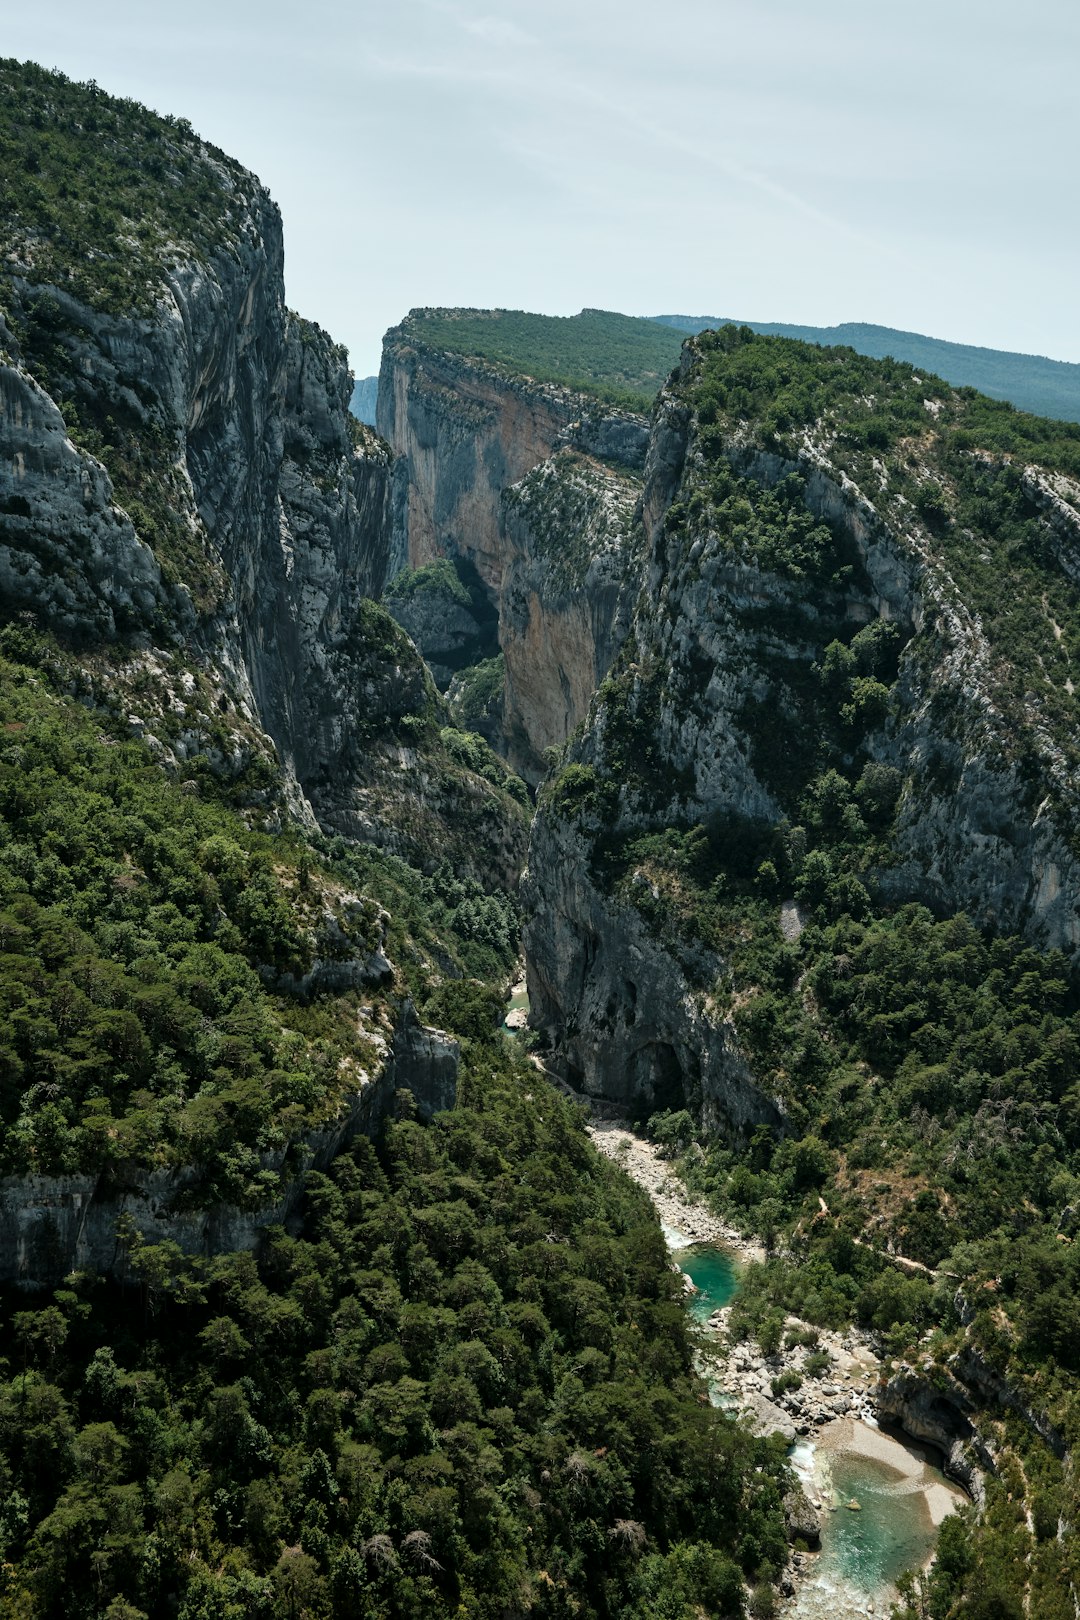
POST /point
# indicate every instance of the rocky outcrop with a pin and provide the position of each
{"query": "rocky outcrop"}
(364, 395)
(463, 431)
(624, 1021)
(445, 630)
(574, 551)
(802, 1520)
(715, 708)
(50, 1226)
(243, 515)
(941, 1411)
(67, 550)
(535, 487)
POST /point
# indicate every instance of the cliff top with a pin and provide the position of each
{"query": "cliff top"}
(616, 358)
(988, 495)
(101, 194)
(1033, 382)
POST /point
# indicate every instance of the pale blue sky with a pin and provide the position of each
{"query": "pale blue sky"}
(912, 162)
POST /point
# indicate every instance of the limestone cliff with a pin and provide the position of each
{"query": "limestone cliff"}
(185, 495)
(804, 605)
(573, 549)
(534, 486)
(189, 510)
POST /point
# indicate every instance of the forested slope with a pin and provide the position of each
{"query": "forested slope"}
(804, 891)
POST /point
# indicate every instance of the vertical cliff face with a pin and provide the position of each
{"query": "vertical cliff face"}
(573, 548)
(193, 474)
(535, 487)
(185, 495)
(463, 432)
(806, 628)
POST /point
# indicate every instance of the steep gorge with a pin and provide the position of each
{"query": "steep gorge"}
(765, 637)
(534, 486)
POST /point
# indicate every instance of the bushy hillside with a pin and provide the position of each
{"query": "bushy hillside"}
(1029, 381)
(101, 194)
(183, 985)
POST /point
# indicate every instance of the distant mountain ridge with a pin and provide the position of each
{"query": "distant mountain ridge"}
(1030, 381)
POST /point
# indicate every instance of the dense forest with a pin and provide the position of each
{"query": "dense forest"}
(464, 1389)
(460, 1382)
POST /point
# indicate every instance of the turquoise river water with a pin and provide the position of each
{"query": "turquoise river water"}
(863, 1550)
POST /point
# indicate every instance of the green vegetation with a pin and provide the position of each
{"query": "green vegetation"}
(575, 508)
(928, 1073)
(102, 200)
(142, 927)
(1028, 381)
(102, 196)
(465, 1390)
(617, 358)
(439, 578)
(926, 1069)
(476, 694)
(472, 752)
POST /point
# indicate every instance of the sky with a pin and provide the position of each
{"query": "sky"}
(907, 162)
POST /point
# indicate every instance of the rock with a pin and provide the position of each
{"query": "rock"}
(249, 556)
(940, 1412)
(764, 1417)
(449, 633)
(801, 1519)
(535, 487)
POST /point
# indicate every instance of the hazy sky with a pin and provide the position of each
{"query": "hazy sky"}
(910, 162)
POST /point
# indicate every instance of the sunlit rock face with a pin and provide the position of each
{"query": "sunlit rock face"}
(535, 487)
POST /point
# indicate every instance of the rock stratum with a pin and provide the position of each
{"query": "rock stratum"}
(534, 486)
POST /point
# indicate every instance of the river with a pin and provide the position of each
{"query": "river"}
(901, 1493)
(881, 1497)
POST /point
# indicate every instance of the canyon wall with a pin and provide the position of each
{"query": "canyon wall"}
(534, 486)
(713, 714)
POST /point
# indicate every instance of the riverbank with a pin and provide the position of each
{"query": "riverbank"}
(684, 1221)
(813, 1378)
(872, 1500)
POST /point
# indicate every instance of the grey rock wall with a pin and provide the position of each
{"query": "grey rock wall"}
(717, 649)
(259, 512)
(624, 1020)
